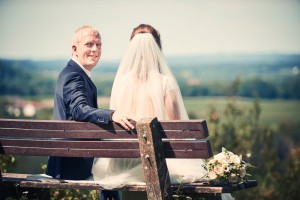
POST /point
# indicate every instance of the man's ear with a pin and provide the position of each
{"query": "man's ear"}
(74, 48)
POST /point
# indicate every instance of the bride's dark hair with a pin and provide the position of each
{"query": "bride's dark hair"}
(145, 28)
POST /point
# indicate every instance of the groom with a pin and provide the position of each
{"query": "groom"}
(75, 98)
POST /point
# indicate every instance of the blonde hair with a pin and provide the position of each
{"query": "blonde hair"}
(77, 35)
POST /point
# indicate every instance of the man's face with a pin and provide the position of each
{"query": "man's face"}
(88, 50)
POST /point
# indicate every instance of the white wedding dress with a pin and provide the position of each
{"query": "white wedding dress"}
(144, 86)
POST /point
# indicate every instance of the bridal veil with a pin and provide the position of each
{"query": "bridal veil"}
(144, 86)
(144, 81)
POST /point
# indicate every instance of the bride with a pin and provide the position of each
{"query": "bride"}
(144, 86)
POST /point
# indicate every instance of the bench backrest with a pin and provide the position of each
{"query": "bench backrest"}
(152, 141)
(84, 139)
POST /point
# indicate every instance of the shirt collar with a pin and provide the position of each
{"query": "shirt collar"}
(84, 69)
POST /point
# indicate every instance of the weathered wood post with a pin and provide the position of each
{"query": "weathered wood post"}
(153, 160)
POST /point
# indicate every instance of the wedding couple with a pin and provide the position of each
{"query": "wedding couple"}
(144, 86)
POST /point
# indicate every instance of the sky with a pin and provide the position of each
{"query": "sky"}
(42, 29)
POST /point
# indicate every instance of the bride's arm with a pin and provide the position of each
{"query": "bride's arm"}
(172, 106)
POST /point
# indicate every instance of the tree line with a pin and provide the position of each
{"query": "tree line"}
(28, 78)
(287, 88)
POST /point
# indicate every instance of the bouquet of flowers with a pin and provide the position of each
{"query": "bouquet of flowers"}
(227, 168)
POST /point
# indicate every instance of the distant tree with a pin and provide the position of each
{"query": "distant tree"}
(289, 88)
(258, 87)
(21, 78)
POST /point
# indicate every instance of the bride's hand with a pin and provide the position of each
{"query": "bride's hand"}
(122, 119)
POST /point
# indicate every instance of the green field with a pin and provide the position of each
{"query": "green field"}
(272, 111)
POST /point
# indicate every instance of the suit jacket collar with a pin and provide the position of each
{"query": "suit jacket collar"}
(74, 64)
(78, 68)
(85, 70)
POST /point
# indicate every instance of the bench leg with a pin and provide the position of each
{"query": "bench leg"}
(16, 192)
(158, 185)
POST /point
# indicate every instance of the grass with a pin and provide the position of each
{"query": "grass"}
(272, 111)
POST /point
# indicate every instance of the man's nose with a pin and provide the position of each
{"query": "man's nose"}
(94, 47)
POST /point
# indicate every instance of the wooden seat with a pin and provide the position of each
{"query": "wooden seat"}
(152, 141)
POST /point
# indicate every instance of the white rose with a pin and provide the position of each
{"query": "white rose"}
(219, 170)
(211, 162)
(212, 175)
(219, 156)
(234, 159)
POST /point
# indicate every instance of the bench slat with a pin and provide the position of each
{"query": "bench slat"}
(12, 132)
(172, 149)
(103, 153)
(199, 126)
(199, 187)
(65, 152)
(100, 144)
(74, 125)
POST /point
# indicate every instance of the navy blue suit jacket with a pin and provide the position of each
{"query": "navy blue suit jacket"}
(75, 98)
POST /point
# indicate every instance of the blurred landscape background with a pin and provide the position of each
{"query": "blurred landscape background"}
(251, 104)
(237, 63)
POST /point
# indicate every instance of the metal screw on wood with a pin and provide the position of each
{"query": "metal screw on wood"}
(147, 156)
(145, 136)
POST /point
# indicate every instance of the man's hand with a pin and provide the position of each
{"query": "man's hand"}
(121, 119)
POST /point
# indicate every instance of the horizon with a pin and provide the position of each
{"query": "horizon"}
(170, 57)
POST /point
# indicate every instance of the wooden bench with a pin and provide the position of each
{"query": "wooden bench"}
(83, 139)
